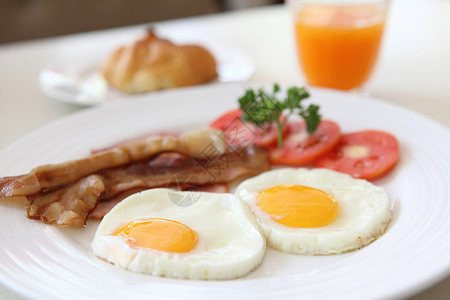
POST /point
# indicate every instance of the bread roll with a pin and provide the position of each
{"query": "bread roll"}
(153, 64)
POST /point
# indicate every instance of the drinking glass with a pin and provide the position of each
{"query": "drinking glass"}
(338, 41)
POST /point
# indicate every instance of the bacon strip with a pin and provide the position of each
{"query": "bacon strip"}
(103, 207)
(71, 203)
(136, 138)
(21, 185)
(51, 176)
(176, 169)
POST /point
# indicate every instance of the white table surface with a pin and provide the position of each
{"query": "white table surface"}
(413, 69)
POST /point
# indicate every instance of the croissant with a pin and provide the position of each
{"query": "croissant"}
(153, 64)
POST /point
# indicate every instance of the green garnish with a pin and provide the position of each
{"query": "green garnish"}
(262, 109)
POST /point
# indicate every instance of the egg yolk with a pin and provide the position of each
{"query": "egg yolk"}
(298, 206)
(158, 234)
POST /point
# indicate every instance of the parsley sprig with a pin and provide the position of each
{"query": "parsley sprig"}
(262, 108)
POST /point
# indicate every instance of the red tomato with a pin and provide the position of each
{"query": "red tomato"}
(240, 133)
(226, 119)
(365, 154)
(301, 148)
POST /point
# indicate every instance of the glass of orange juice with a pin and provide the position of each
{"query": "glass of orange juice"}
(338, 41)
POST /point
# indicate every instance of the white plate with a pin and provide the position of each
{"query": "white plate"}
(75, 78)
(46, 261)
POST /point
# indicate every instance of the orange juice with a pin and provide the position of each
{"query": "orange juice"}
(337, 45)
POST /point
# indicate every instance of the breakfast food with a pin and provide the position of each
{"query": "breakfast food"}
(67, 193)
(263, 118)
(367, 154)
(165, 204)
(301, 148)
(214, 237)
(153, 64)
(317, 211)
(364, 154)
(240, 133)
(50, 176)
(105, 206)
(238, 146)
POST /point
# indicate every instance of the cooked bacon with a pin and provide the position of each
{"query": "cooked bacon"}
(137, 138)
(103, 207)
(176, 169)
(214, 188)
(71, 203)
(21, 185)
(51, 176)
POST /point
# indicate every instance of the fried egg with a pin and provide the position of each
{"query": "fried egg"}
(318, 211)
(191, 235)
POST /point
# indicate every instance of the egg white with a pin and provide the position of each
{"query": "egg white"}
(230, 242)
(364, 211)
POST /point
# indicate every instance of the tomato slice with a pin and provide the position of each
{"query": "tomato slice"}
(300, 148)
(240, 133)
(226, 119)
(365, 154)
